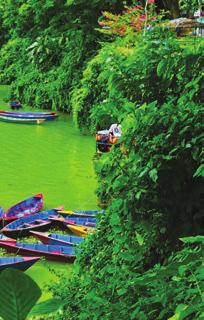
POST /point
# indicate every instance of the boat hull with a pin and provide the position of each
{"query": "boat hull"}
(55, 256)
(81, 231)
(81, 213)
(82, 221)
(56, 239)
(38, 221)
(3, 238)
(29, 115)
(22, 121)
(22, 209)
(23, 265)
(20, 233)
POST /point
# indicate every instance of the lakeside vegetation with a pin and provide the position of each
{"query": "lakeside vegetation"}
(146, 259)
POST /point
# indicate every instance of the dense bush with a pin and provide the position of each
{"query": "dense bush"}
(140, 69)
(117, 290)
(48, 46)
(152, 181)
(152, 83)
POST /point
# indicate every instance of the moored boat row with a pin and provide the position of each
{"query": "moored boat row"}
(25, 219)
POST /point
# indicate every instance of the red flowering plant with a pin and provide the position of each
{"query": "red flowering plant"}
(132, 19)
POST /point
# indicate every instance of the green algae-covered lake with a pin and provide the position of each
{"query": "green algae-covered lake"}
(52, 158)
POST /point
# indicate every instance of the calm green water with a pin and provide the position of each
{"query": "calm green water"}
(52, 158)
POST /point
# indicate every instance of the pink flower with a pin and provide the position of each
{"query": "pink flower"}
(150, 1)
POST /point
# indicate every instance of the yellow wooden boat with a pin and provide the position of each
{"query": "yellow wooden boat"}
(81, 213)
(81, 231)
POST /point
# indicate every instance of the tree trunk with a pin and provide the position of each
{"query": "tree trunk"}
(171, 5)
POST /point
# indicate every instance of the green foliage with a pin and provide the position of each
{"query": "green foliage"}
(152, 181)
(190, 6)
(119, 288)
(46, 307)
(137, 70)
(48, 46)
(18, 297)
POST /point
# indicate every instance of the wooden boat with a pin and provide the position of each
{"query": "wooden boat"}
(50, 252)
(20, 263)
(29, 115)
(57, 239)
(81, 231)
(1, 213)
(24, 208)
(83, 221)
(15, 105)
(21, 120)
(4, 238)
(81, 213)
(21, 227)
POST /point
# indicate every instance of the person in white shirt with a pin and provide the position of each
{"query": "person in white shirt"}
(115, 132)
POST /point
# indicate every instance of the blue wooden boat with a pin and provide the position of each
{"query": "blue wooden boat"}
(30, 115)
(1, 212)
(15, 105)
(20, 263)
(50, 252)
(81, 221)
(81, 213)
(38, 221)
(22, 209)
(57, 239)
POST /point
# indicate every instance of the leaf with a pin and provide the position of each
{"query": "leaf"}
(182, 270)
(178, 315)
(161, 67)
(18, 294)
(122, 291)
(192, 239)
(153, 175)
(70, 2)
(199, 172)
(45, 307)
(140, 239)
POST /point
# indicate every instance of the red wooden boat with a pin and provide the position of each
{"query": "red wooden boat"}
(82, 221)
(3, 238)
(24, 208)
(57, 239)
(50, 252)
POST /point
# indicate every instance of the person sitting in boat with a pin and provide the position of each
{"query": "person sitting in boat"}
(102, 138)
(15, 104)
(105, 138)
(115, 133)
